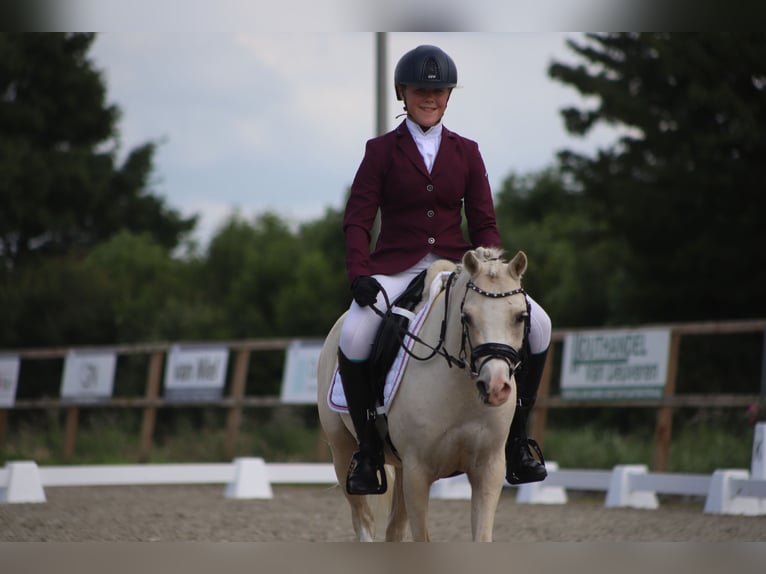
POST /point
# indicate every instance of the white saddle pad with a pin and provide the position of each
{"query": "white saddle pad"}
(336, 399)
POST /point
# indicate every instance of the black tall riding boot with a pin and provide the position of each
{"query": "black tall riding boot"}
(520, 465)
(366, 474)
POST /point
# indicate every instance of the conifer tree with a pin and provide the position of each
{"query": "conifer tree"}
(684, 190)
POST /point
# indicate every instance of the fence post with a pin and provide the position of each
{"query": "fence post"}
(763, 367)
(237, 393)
(664, 427)
(150, 412)
(70, 438)
(540, 414)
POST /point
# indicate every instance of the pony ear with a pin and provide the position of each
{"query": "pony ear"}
(518, 265)
(471, 262)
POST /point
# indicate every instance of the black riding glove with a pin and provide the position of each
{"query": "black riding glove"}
(365, 290)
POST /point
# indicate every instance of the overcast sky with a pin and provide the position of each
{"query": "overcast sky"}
(256, 122)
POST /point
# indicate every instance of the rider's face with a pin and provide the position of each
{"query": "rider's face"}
(425, 106)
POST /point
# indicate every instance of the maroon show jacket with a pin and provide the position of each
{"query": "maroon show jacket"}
(420, 212)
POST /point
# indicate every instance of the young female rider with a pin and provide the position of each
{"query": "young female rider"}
(420, 175)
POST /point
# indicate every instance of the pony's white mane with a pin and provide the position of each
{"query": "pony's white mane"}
(495, 256)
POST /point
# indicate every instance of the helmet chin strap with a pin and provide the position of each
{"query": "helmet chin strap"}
(406, 113)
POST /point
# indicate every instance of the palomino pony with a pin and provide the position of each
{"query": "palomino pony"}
(452, 412)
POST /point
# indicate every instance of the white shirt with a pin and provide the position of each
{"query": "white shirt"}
(428, 142)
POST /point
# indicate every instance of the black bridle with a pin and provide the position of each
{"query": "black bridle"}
(489, 351)
(484, 352)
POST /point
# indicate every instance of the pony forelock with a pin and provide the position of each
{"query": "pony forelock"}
(489, 254)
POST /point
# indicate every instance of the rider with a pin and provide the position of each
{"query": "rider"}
(420, 176)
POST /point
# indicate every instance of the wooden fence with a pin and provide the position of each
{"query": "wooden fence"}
(237, 400)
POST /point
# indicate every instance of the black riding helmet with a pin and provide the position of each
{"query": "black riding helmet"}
(425, 67)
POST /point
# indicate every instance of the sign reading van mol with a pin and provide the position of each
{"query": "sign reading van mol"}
(195, 373)
(615, 364)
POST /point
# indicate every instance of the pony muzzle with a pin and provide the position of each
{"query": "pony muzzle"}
(494, 381)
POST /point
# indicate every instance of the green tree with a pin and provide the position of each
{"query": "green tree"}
(60, 186)
(683, 190)
(247, 267)
(271, 280)
(569, 252)
(318, 294)
(153, 296)
(55, 302)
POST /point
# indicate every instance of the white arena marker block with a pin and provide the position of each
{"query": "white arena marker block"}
(251, 480)
(452, 488)
(540, 493)
(24, 484)
(620, 492)
(722, 496)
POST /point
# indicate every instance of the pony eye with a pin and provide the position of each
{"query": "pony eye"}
(522, 317)
(466, 318)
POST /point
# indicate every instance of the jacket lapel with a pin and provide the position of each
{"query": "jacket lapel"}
(410, 149)
(445, 153)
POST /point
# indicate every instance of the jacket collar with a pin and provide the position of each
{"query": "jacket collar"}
(410, 148)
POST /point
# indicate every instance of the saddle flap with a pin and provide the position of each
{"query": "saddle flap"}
(391, 332)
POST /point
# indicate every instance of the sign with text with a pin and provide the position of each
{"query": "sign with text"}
(299, 381)
(9, 379)
(615, 364)
(88, 376)
(195, 373)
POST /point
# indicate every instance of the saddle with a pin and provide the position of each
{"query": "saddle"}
(390, 335)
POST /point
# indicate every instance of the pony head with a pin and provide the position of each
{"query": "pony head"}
(494, 314)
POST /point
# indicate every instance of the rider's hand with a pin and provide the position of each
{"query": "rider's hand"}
(365, 290)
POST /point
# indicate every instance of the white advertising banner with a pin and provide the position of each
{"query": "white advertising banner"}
(615, 364)
(9, 379)
(299, 381)
(194, 373)
(88, 376)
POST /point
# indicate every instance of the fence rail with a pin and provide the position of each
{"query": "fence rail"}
(237, 400)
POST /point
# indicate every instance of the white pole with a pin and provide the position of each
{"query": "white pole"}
(382, 83)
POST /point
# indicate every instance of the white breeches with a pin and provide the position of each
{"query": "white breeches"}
(361, 323)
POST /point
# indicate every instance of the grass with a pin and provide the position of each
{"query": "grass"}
(285, 434)
(696, 449)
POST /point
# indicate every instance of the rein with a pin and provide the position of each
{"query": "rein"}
(487, 351)
(439, 348)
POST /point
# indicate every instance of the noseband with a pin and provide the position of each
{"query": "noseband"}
(488, 351)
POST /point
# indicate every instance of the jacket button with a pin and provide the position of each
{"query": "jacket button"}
(430, 213)
(429, 187)
(431, 240)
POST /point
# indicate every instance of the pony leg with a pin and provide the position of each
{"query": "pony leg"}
(362, 517)
(397, 520)
(486, 487)
(417, 489)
